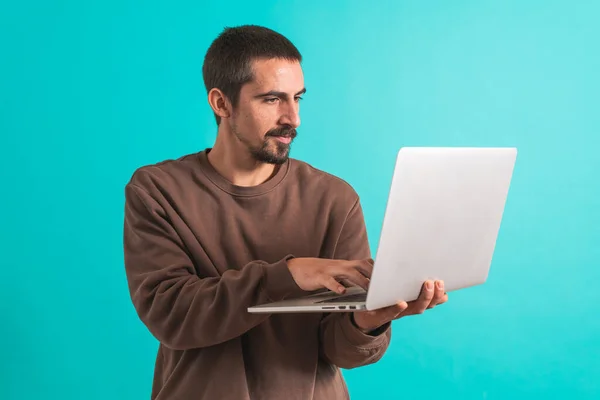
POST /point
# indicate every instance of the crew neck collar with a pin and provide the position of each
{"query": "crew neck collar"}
(227, 186)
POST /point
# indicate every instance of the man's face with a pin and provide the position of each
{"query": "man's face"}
(267, 114)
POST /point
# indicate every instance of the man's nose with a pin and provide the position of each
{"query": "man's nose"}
(291, 116)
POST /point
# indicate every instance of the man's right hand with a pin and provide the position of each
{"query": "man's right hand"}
(317, 273)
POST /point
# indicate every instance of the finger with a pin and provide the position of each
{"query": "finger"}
(383, 315)
(438, 294)
(392, 312)
(401, 308)
(358, 278)
(365, 267)
(425, 298)
(353, 276)
(444, 299)
(330, 283)
(347, 283)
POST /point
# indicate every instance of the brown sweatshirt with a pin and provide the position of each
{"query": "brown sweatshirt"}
(199, 251)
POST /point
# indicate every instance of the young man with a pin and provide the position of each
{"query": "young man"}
(212, 233)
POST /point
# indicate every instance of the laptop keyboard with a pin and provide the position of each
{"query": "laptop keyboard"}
(360, 297)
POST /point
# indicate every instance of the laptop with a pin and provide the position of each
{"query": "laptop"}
(441, 221)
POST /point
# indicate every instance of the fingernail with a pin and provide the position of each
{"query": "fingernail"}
(429, 285)
(440, 285)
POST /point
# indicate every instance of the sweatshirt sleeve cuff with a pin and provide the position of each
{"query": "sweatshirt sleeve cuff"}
(278, 281)
(359, 339)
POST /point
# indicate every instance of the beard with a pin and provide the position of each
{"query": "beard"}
(272, 151)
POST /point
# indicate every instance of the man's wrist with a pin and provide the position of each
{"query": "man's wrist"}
(356, 325)
(371, 332)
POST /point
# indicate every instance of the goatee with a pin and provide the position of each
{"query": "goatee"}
(272, 150)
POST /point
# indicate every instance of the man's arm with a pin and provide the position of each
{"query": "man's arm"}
(342, 342)
(179, 308)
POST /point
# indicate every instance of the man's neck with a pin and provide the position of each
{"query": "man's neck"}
(231, 160)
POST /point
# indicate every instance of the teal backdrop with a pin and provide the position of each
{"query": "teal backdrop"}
(91, 90)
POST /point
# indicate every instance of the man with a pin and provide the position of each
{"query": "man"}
(212, 233)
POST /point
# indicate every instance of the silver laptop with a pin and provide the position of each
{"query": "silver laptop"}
(441, 221)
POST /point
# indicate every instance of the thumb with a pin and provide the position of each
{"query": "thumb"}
(393, 312)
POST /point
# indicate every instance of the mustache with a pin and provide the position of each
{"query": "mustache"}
(284, 131)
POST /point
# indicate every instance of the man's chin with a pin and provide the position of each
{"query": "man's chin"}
(273, 153)
(276, 159)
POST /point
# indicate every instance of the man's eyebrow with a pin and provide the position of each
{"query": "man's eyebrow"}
(275, 93)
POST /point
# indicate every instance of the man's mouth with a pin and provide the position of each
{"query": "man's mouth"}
(282, 135)
(284, 139)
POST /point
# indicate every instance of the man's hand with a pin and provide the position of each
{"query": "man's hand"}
(317, 273)
(432, 294)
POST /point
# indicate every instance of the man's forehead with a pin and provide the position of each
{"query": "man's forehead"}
(277, 72)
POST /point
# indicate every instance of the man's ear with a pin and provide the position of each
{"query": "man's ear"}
(219, 103)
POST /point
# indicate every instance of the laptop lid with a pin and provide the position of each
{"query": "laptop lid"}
(442, 220)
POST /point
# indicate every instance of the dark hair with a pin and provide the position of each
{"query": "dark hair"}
(228, 61)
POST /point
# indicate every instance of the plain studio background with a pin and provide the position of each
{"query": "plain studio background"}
(91, 90)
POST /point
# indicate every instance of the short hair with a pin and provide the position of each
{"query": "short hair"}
(228, 61)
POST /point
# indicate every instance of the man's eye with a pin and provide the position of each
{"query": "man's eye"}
(298, 99)
(271, 100)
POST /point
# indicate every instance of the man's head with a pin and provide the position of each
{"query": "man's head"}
(254, 82)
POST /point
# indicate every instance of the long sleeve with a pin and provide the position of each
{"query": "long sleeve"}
(342, 343)
(181, 309)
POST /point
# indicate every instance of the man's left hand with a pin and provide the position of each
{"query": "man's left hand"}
(432, 294)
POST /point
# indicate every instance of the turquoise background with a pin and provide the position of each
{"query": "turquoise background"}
(90, 90)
